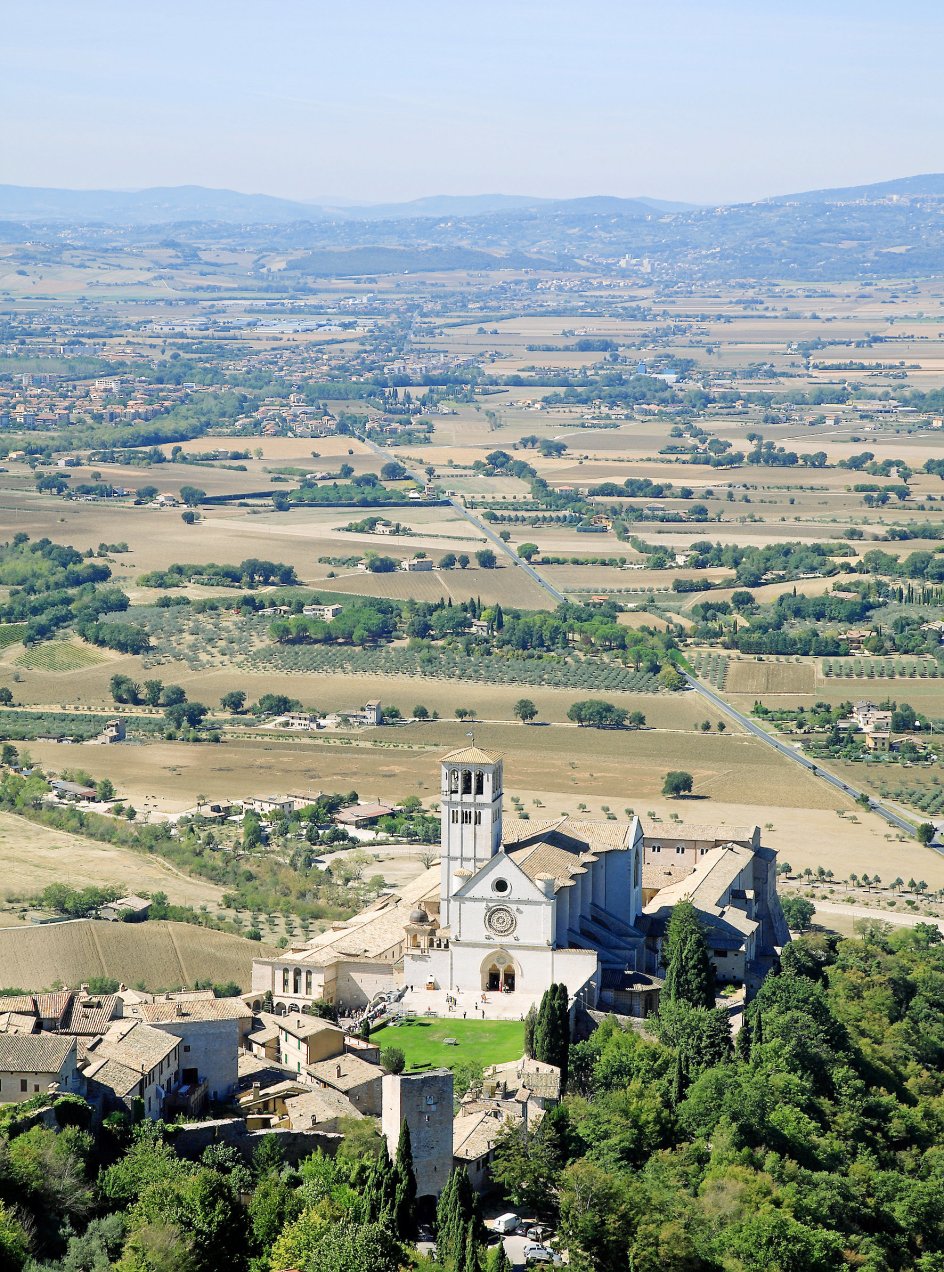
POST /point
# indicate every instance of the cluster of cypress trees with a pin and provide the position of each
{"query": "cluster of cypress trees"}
(459, 1229)
(547, 1031)
(390, 1191)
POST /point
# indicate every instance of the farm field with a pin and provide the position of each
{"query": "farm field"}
(627, 765)
(505, 586)
(551, 765)
(753, 676)
(153, 955)
(478, 1042)
(33, 856)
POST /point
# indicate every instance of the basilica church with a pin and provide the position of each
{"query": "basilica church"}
(522, 904)
(516, 905)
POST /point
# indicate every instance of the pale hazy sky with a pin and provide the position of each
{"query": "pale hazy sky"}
(707, 100)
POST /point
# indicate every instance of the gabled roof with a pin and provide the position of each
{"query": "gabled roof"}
(320, 1105)
(174, 1009)
(136, 1045)
(34, 1053)
(560, 848)
(475, 1132)
(354, 1072)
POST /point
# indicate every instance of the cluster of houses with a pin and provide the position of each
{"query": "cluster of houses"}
(180, 1055)
(875, 722)
(158, 1055)
(41, 401)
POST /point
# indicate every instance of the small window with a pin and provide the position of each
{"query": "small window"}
(720, 953)
(500, 885)
(186, 1048)
(656, 847)
(455, 816)
(680, 850)
(478, 819)
(24, 1085)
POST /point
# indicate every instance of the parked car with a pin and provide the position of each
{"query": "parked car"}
(536, 1253)
(506, 1223)
(538, 1232)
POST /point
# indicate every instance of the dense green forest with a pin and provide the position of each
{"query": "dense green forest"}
(812, 1144)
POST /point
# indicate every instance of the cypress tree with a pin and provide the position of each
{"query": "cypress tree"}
(552, 1027)
(563, 1030)
(688, 978)
(445, 1210)
(541, 1027)
(379, 1190)
(758, 1032)
(742, 1044)
(679, 1080)
(530, 1021)
(470, 1259)
(404, 1188)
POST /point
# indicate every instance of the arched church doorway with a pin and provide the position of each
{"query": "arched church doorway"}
(499, 974)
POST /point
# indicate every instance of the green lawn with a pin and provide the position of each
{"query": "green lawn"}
(480, 1042)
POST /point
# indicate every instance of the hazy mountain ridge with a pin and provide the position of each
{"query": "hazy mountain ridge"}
(890, 229)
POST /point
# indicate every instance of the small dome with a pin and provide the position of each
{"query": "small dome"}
(419, 915)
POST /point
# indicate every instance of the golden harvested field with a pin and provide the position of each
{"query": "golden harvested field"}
(753, 676)
(169, 775)
(33, 856)
(508, 586)
(154, 956)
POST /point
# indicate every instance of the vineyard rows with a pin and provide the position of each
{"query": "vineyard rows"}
(450, 665)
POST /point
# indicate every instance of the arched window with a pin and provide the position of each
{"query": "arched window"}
(466, 781)
(454, 782)
(480, 783)
(284, 980)
(297, 981)
(308, 983)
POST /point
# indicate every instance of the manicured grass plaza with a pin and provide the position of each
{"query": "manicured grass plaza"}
(478, 1042)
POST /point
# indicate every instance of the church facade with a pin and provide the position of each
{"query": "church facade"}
(522, 904)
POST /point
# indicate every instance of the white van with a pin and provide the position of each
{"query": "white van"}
(506, 1223)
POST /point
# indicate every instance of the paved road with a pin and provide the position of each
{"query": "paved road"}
(752, 727)
(482, 526)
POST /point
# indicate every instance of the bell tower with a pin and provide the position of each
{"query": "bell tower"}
(471, 804)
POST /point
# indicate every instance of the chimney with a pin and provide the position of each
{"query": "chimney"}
(339, 1070)
(83, 991)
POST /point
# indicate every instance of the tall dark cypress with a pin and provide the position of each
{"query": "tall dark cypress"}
(404, 1188)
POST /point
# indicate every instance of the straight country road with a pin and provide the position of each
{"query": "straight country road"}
(482, 526)
(752, 727)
